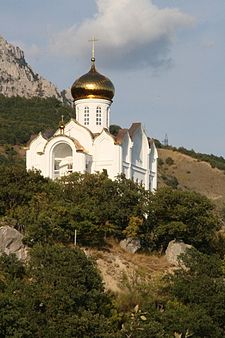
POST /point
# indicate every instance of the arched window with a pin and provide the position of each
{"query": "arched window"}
(77, 110)
(107, 117)
(62, 159)
(98, 116)
(86, 116)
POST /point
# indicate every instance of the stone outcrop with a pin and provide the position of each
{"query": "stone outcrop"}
(11, 242)
(174, 250)
(18, 79)
(130, 245)
(67, 96)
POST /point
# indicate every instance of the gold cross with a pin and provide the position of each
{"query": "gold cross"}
(93, 40)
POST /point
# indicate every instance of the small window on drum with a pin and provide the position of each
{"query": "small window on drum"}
(98, 116)
(86, 116)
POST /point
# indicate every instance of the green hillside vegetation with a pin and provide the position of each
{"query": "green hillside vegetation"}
(20, 118)
(98, 207)
(58, 292)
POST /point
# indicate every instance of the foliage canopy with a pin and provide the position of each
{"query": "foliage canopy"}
(20, 117)
(59, 293)
(98, 207)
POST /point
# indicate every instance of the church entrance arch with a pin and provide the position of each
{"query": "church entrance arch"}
(62, 160)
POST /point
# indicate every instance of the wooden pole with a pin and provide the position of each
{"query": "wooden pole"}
(75, 237)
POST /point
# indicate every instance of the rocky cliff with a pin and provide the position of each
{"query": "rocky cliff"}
(18, 79)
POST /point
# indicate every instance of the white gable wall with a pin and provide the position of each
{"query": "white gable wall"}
(107, 155)
(34, 158)
(140, 170)
(153, 167)
(126, 155)
(78, 132)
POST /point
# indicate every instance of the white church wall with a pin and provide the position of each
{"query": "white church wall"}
(140, 149)
(137, 151)
(89, 115)
(88, 163)
(153, 167)
(106, 155)
(34, 158)
(126, 169)
(138, 174)
(126, 146)
(79, 162)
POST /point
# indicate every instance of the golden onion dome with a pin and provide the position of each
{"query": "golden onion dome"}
(93, 85)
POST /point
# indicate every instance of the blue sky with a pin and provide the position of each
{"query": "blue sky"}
(165, 58)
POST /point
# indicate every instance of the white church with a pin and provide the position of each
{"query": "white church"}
(84, 144)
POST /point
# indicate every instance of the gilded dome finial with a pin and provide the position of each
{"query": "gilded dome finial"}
(93, 40)
(62, 125)
(92, 85)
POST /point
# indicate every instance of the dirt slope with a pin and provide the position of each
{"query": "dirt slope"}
(118, 267)
(193, 175)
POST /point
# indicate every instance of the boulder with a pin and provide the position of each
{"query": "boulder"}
(11, 242)
(130, 245)
(174, 250)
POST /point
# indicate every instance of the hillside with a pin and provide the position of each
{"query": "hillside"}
(20, 118)
(191, 174)
(59, 292)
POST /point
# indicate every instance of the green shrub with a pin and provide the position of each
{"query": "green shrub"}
(169, 161)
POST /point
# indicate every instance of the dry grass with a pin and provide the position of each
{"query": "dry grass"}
(194, 175)
(117, 265)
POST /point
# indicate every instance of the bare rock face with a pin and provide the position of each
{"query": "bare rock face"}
(130, 245)
(67, 96)
(11, 242)
(174, 250)
(17, 77)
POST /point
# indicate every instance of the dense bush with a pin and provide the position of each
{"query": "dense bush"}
(97, 207)
(181, 215)
(59, 293)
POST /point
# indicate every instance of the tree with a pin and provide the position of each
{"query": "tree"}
(60, 294)
(18, 186)
(181, 215)
(199, 287)
(107, 205)
(114, 129)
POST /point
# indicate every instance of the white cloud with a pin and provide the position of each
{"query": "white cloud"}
(208, 44)
(130, 32)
